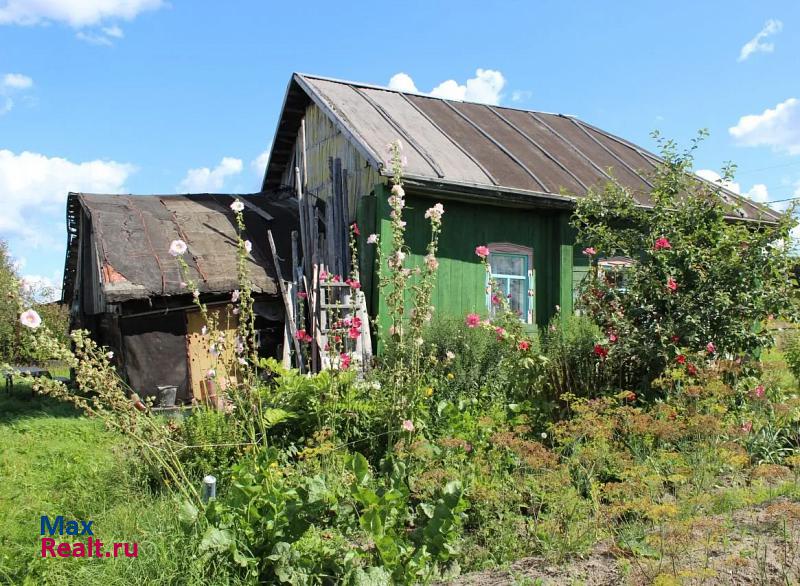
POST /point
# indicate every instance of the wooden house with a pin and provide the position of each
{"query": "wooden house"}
(123, 286)
(508, 179)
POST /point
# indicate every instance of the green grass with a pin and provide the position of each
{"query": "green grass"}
(55, 461)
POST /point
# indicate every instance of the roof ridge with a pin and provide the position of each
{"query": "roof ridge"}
(372, 86)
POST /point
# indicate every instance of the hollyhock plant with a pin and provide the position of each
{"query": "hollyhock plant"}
(482, 251)
(177, 248)
(589, 251)
(435, 213)
(473, 320)
(345, 360)
(30, 319)
(662, 244)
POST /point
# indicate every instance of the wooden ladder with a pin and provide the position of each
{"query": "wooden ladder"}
(337, 303)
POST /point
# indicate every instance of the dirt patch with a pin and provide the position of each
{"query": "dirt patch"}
(758, 545)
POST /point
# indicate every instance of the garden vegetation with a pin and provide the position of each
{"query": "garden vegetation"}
(638, 423)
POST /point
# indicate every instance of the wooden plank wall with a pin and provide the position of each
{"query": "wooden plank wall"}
(323, 142)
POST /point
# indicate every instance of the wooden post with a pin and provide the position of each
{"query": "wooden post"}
(286, 301)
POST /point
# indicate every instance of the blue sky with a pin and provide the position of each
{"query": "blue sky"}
(148, 96)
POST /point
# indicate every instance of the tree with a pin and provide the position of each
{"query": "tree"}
(701, 282)
(15, 297)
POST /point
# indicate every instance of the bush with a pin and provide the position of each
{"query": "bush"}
(792, 354)
(211, 443)
(698, 283)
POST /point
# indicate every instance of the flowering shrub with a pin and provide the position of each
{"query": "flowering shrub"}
(698, 280)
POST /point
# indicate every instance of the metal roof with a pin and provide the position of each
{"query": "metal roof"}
(473, 146)
(131, 236)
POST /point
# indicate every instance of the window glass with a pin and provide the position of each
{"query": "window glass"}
(510, 272)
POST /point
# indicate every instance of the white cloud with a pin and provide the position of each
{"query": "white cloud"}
(43, 289)
(206, 180)
(757, 44)
(777, 127)
(485, 87)
(521, 95)
(17, 81)
(105, 36)
(758, 192)
(75, 13)
(402, 82)
(34, 186)
(259, 164)
(11, 83)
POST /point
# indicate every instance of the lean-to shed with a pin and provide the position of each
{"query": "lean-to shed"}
(121, 283)
(508, 179)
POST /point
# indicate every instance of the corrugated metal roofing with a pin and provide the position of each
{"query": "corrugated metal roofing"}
(473, 145)
(132, 236)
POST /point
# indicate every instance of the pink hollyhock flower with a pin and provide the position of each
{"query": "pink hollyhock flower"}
(353, 284)
(662, 244)
(482, 251)
(354, 228)
(177, 248)
(235, 296)
(473, 319)
(30, 319)
(211, 373)
(323, 275)
(431, 261)
(612, 337)
(408, 425)
(302, 295)
(589, 251)
(524, 345)
(691, 369)
(110, 355)
(336, 279)
(747, 426)
(345, 360)
(675, 339)
(600, 351)
(496, 300)
(759, 391)
(672, 284)
(500, 333)
(235, 311)
(354, 333)
(303, 336)
(372, 239)
(680, 359)
(710, 348)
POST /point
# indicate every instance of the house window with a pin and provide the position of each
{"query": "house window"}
(512, 270)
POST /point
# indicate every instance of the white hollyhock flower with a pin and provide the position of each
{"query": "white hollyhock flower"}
(248, 246)
(372, 239)
(30, 319)
(177, 248)
(237, 206)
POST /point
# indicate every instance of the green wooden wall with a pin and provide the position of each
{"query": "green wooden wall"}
(461, 280)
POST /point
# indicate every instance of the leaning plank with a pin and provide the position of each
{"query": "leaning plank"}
(287, 302)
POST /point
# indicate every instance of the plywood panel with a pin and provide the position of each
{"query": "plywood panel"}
(201, 359)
